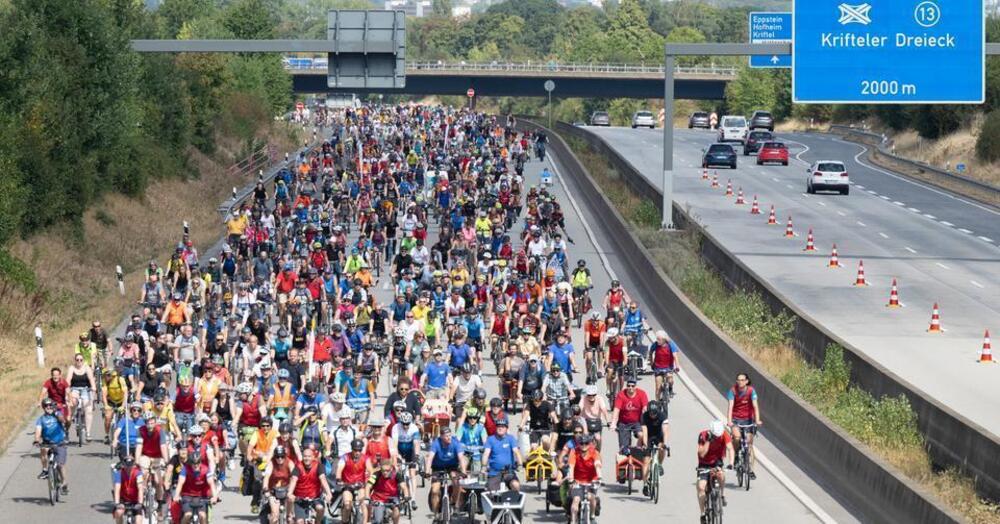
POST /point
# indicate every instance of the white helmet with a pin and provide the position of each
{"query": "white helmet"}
(399, 331)
(613, 332)
(661, 334)
(338, 397)
(346, 412)
(595, 314)
(716, 428)
(244, 388)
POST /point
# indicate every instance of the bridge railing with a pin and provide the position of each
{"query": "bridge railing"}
(295, 63)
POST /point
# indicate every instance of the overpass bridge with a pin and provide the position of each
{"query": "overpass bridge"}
(527, 78)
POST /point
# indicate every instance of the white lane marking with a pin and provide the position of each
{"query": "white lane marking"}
(818, 202)
(883, 197)
(910, 249)
(841, 213)
(942, 266)
(883, 235)
(859, 186)
(966, 231)
(871, 192)
(915, 210)
(977, 284)
(789, 186)
(898, 203)
(800, 153)
(949, 224)
(776, 180)
(864, 149)
(986, 239)
(779, 475)
(930, 216)
(862, 224)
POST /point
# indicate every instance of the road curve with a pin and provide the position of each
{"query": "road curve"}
(940, 248)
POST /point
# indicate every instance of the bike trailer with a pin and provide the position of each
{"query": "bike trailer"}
(498, 504)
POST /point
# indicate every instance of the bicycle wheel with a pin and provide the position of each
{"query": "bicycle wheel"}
(53, 488)
(473, 507)
(80, 433)
(746, 474)
(445, 511)
(629, 473)
(56, 480)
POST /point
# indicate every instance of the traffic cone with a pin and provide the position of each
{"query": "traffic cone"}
(809, 242)
(893, 296)
(771, 219)
(935, 321)
(789, 232)
(754, 208)
(739, 197)
(860, 280)
(729, 187)
(704, 174)
(986, 355)
(834, 261)
(715, 181)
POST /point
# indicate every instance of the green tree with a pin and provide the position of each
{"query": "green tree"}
(753, 89)
(544, 15)
(687, 35)
(629, 37)
(174, 13)
(250, 19)
(988, 141)
(442, 7)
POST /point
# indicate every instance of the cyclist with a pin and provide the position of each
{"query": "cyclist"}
(614, 301)
(152, 454)
(585, 471)
(655, 430)
(614, 356)
(386, 487)
(195, 488)
(502, 458)
(473, 436)
(50, 432)
(129, 489)
(628, 408)
(126, 433)
(379, 445)
(743, 415)
(633, 327)
(714, 446)
(666, 362)
(404, 435)
(593, 335)
(436, 380)
(540, 418)
(447, 455)
(277, 477)
(562, 353)
(595, 412)
(81, 392)
(557, 387)
(57, 388)
(308, 488)
(352, 471)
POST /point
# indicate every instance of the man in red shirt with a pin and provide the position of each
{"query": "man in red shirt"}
(308, 487)
(386, 487)
(352, 471)
(378, 446)
(195, 489)
(284, 284)
(55, 388)
(614, 358)
(666, 362)
(585, 470)
(714, 445)
(129, 488)
(627, 417)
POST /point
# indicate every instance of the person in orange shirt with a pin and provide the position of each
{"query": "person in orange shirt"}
(585, 471)
(175, 314)
(593, 336)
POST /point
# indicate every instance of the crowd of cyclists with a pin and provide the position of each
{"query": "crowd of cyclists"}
(336, 353)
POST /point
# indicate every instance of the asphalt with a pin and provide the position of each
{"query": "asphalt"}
(941, 249)
(782, 492)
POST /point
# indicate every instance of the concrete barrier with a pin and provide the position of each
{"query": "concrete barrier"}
(868, 486)
(952, 440)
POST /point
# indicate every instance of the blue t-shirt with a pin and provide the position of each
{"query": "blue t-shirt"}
(560, 355)
(130, 430)
(317, 401)
(501, 453)
(53, 431)
(437, 375)
(459, 354)
(472, 435)
(446, 457)
(474, 327)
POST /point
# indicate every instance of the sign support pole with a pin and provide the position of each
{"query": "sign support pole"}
(667, 221)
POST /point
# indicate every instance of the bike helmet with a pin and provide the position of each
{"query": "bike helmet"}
(586, 439)
(615, 283)
(283, 373)
(357, 445)
(279, 452)
(653, 408)
(496, 402)
(480, 394)
(537, 395)
(195, 431)
(501, 308)
(595, 314)
(467, 368)
(338, 398)
(405, 418)
(399, 332)
(716, 428)
(581, 263)
(126, 457)
(590, 390)
(282, 333)
(48, 403)
(244, 388)
(149, 415)
(368, 346)
(399, 404)
(613, 332)
(555, 367)
(311, 409)
(377, 422)
(285, 427)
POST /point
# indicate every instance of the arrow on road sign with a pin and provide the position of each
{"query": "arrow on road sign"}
(774, 59)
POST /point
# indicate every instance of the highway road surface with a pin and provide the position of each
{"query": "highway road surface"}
(940, 248)
(782, 493)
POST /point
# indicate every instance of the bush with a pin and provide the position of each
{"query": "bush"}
(988, 142)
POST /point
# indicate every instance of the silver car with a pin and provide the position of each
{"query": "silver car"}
(643, 119)
(600, 118)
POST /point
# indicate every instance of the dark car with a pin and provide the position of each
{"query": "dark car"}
(719, 155)
(699, 119)
(600, 118)
(762, 120)
(755, 139)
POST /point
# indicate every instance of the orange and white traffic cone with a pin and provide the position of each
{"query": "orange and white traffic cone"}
(834, 261)
(860, 280)
(754, 208)
(935, 326)
(729, 187)
(771, 219)
(715, 181)
(893, 296)
(789, 232)
(809, 242)
(704, 174)
(739, 197)
(986, 354)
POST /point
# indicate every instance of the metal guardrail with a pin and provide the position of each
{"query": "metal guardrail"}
(292, 63)
(881, 142)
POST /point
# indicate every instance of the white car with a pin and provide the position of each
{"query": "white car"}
(828, 175)
(643, 119)
(732, 129)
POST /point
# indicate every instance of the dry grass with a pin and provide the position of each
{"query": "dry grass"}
(947, 152)
(78, 276)
(677, 255)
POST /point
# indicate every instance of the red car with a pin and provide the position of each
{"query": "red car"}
(773, 152)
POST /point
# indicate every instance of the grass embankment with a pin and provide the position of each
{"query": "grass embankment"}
(64, 278)
(887, 425)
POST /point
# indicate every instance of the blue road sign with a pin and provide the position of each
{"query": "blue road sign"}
(768, 28)
(888, 51)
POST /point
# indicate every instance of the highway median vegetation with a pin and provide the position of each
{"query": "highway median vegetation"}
(888, 425)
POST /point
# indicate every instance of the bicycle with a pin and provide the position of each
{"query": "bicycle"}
(742, 462)
(653, 475)
(53, 473)
(538, 466)
(592, 364)
(78, 421)
(131, 511)
(585, 516)
(713, 497)
(629, 469)
(443, 515)
(150, 504)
